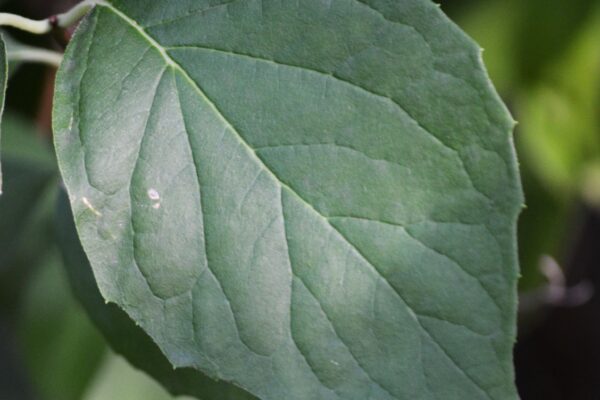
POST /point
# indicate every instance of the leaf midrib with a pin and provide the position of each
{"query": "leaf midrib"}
(173, 64)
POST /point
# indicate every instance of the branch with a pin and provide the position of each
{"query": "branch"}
(41, 27)
(43, 56)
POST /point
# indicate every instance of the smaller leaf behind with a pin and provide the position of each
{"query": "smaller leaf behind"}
(119, 330)
(61, 350)
(3, 83)
(25, 208)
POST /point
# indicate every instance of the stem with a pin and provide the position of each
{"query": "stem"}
(44, 56)
(25, 24)
(45, 26)
(70, 17)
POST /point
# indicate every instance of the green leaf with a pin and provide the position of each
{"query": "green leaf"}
(117, 380)
(29, 169)
(546, 29)
(560, 137)
(62, 350)
(3, 83)
(124, 336)
(308, 200)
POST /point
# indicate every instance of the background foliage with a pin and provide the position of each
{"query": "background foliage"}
(543, 56)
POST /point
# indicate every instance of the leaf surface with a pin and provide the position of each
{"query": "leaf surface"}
(121, 332)
(309, 200)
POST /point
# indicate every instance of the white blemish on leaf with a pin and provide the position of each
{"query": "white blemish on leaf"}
(153, 194)
(89, 205)
(155, 197)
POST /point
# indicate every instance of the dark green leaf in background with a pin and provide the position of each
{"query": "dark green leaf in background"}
(30, 293)
(28, 170)
(29, 183)
(3, 82)
(306, 200)
(62, 349)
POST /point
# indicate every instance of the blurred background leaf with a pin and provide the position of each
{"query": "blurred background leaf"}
(25, 227)
(493, 24)
(61, 349)
(118, 380)
(560, 119)
(545, 31)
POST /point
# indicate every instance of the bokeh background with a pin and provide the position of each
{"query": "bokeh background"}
(544, 58)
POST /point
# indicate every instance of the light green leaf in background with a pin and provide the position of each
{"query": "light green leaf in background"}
(305, 200)
(117, 380)
(493, 25)
(560, 135)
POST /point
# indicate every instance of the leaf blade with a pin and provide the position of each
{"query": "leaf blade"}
(120, 331)
(288, 176)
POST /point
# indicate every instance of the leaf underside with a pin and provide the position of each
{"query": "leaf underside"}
(307, 200)
(120, 331)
